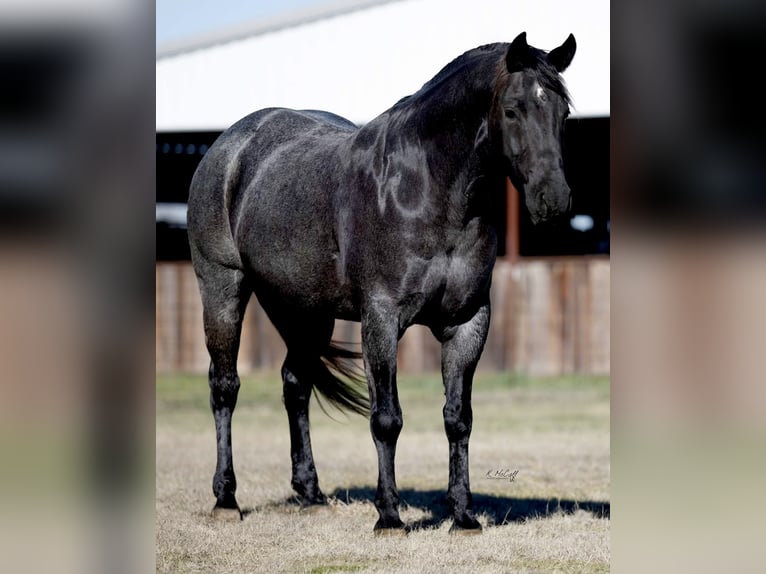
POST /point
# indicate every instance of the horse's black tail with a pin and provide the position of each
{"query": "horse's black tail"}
(341, 381)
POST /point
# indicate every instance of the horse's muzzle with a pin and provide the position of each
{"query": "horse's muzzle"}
(551, 205)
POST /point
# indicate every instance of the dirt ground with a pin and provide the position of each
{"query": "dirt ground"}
(545, 440)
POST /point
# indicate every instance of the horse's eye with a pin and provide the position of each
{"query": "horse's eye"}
(510, 114)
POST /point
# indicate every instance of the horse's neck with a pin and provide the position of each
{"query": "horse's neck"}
(454, 134)
(450, 118)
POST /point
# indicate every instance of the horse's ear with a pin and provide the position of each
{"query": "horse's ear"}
(561, 57)
(518, 53)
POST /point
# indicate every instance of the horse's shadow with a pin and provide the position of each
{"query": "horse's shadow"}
(498, 509)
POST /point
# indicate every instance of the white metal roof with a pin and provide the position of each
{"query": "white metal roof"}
(358, 57)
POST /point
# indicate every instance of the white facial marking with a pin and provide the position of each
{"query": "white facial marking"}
(539, 92)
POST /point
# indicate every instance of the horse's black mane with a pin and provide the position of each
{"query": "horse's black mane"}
(490, 55)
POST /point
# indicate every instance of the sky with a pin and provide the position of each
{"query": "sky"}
(179, 19)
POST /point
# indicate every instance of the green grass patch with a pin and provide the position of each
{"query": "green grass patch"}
(503, 401)
(191, 391)
(414, 387)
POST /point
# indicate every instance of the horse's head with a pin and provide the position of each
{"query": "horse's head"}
(528, 112)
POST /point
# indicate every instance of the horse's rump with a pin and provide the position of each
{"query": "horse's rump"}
(267, 191)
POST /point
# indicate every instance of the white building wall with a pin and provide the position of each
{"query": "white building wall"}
(359, 64)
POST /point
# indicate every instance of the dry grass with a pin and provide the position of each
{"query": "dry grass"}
(554, 517)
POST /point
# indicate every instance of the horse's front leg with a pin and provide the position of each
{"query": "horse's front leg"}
(461, 349)
(379, 343)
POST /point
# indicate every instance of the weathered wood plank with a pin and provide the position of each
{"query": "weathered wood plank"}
(549, 317)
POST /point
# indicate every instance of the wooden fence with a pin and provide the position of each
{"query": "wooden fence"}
(550, 316)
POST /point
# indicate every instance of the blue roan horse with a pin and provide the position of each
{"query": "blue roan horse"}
(387, 224)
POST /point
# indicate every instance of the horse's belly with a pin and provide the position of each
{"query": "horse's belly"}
(286, 239)
(305, 279)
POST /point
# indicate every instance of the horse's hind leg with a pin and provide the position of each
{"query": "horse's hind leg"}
(305, 339)
(297, 377)
(224, 299)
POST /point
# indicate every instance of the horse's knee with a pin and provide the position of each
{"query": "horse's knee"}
(386, 425)
(457, 422)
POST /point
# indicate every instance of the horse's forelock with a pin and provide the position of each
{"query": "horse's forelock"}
(544, 72)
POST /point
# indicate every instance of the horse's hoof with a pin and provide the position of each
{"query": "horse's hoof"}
(468, 530)
(391, 527)
(312, 504)
(227, 514)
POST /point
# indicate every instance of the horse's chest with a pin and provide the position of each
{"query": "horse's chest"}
(466, 281)
(456, 285)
